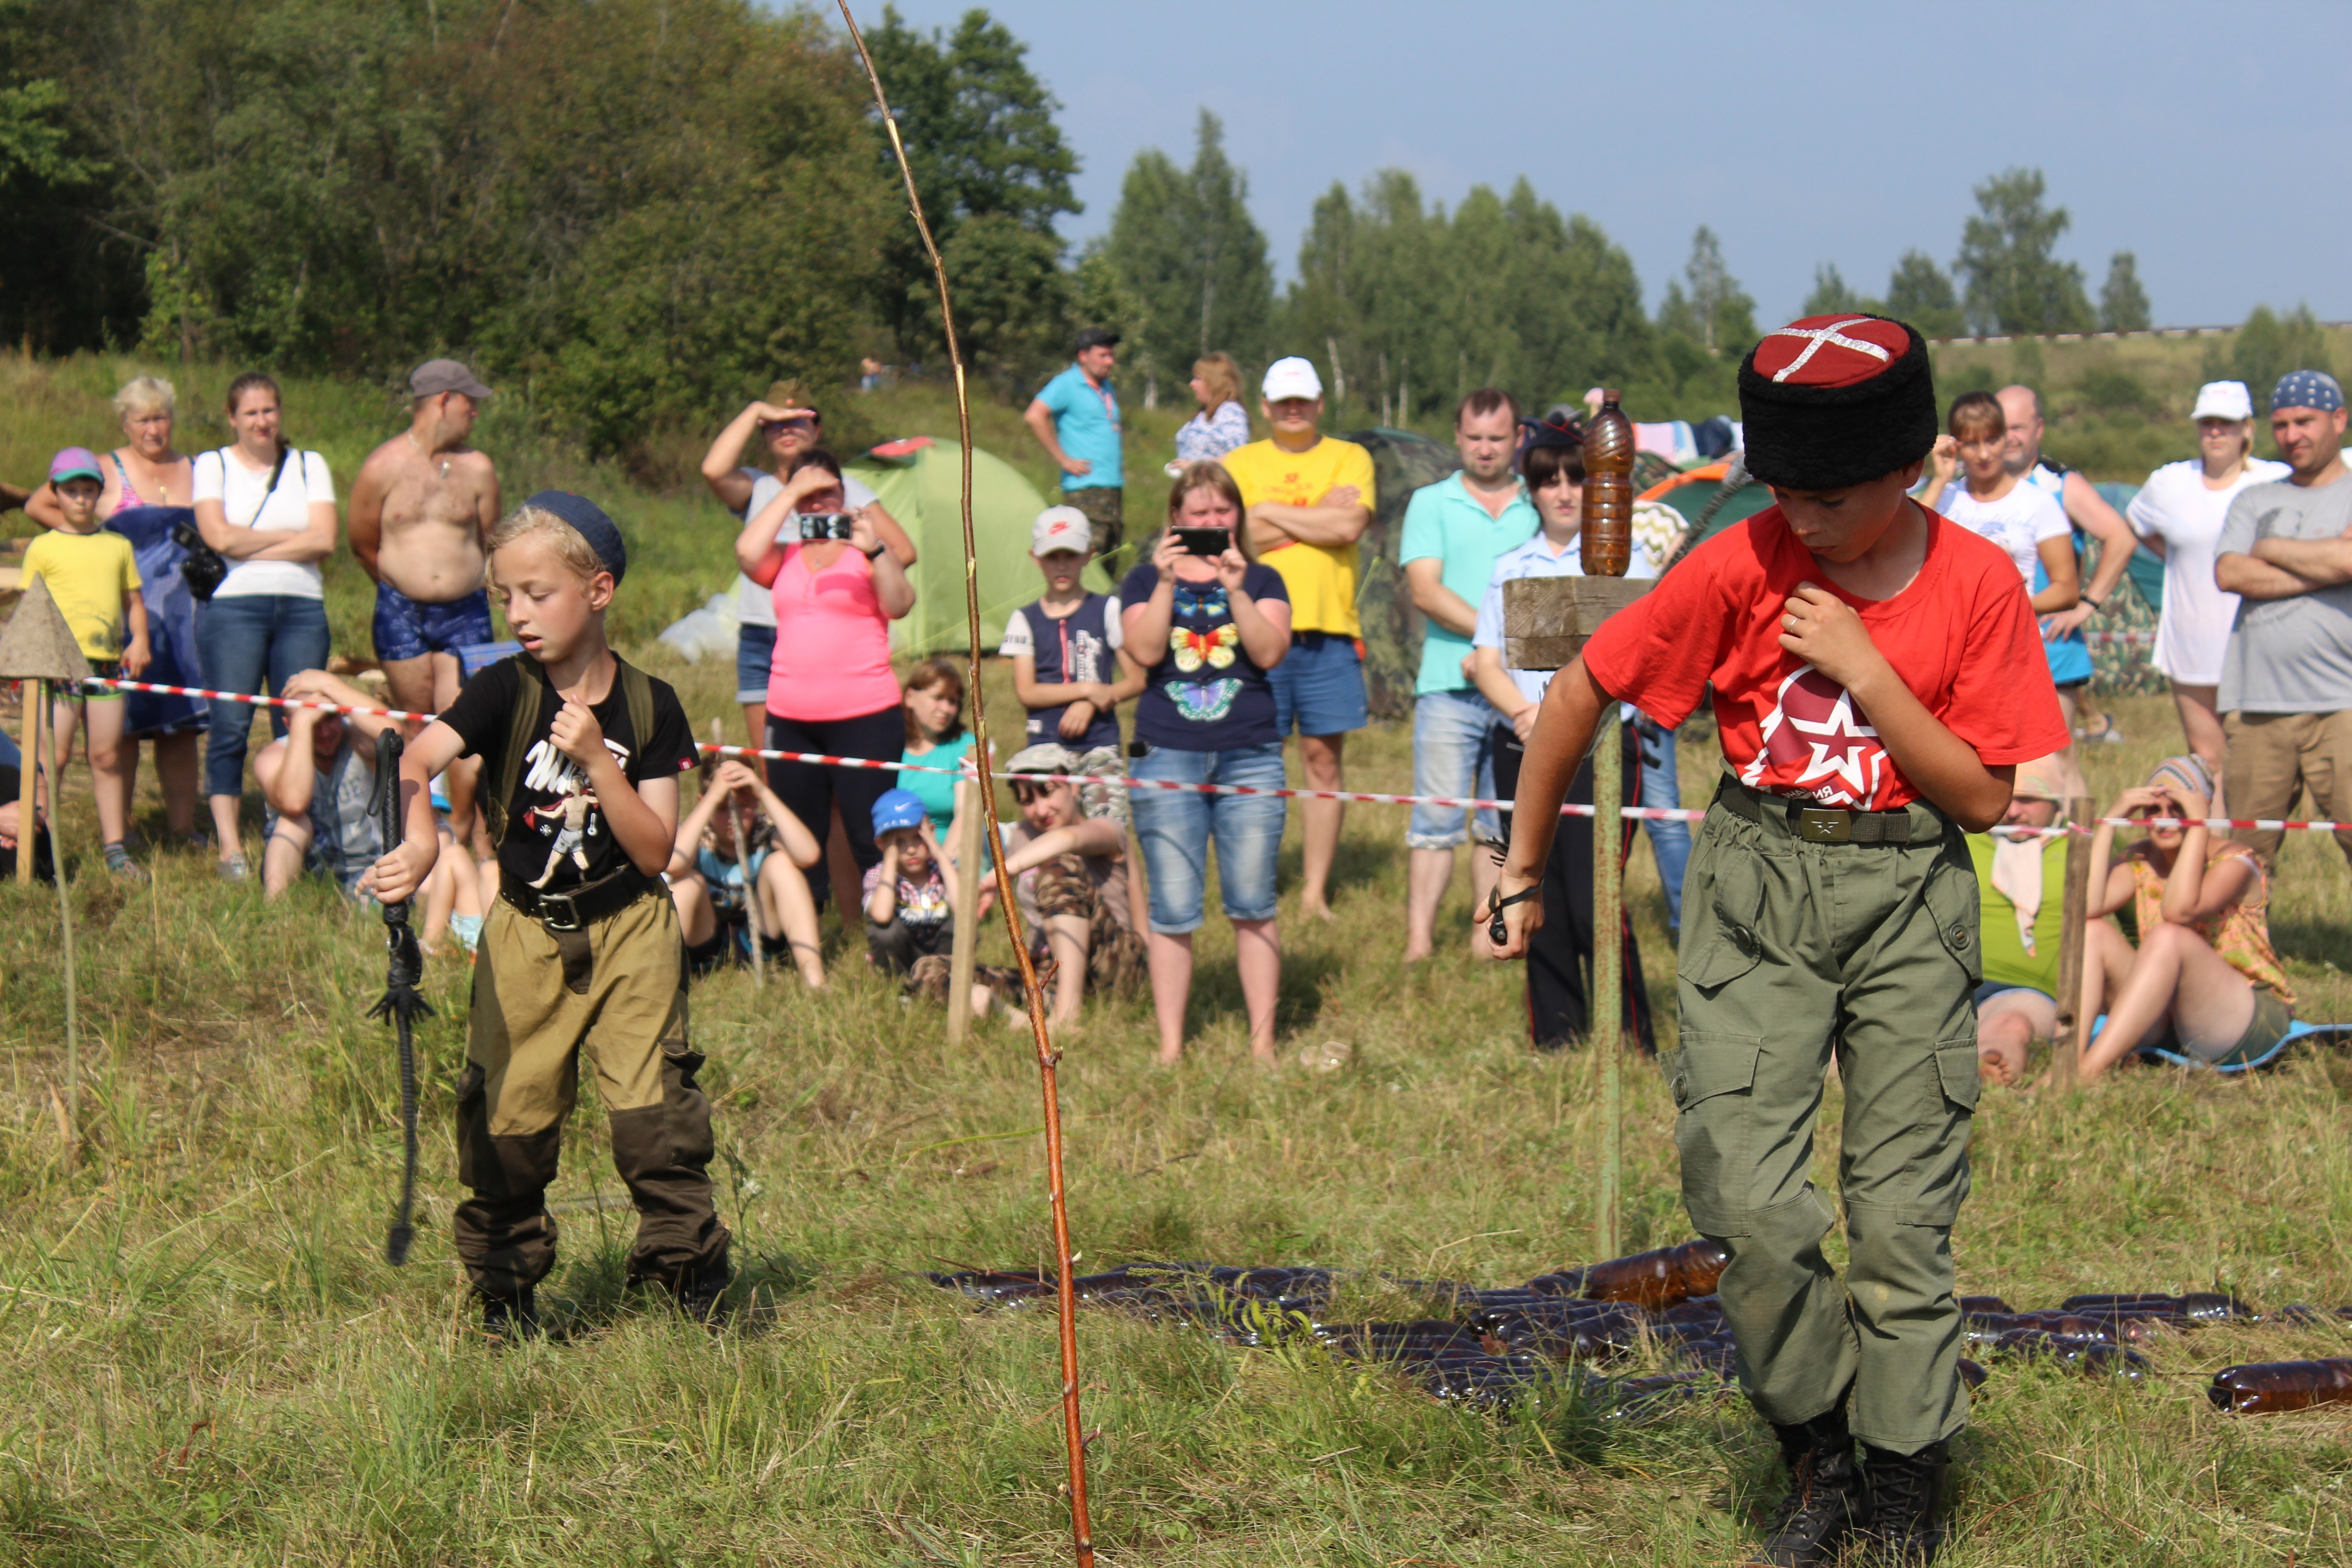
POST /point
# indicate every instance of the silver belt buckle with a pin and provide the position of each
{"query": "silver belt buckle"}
(1818, 826)
(548, 903)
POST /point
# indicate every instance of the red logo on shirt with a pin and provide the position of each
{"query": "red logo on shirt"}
(1817, 743)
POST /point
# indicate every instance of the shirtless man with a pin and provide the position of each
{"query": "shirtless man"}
(420, 510)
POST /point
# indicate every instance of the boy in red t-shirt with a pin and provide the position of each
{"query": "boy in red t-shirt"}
(1877, 676)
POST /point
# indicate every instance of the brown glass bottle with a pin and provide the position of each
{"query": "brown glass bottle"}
(2260, 1387)
(1608, 510)
(1659, 1278)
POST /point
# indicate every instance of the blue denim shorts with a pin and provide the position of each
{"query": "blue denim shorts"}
(755, 651)
(1453, 754)
(408, 630)
(1174, 827)
(1319, 686)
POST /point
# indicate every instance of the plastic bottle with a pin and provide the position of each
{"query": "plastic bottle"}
(2260, 1387)
(1608, 490)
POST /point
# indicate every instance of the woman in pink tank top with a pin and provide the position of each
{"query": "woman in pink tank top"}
(831, 691)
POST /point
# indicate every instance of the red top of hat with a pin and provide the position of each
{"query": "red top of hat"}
(1831, 351)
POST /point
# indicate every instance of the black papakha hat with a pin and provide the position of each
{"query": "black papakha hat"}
(1838, 400)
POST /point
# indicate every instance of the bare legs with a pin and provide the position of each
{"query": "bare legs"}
(1258, 955)
(790, 909)
(2200, 723)
(2005, 1026)
(1319, 761)
(2175, 976)
(1428, 874)
(109, 784)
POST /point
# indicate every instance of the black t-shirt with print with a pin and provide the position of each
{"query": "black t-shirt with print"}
(540, 834)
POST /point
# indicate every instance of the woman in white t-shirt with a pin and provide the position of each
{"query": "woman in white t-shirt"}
(2180, 512)
(270, 510)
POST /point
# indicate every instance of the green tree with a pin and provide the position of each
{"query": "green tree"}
(1188, 252)
(2015, 284)
(980, 135)
(1832, 296)
(1723, 313)
(2123, 303)
(1920, 293)
(2266, 348)
(64, 282)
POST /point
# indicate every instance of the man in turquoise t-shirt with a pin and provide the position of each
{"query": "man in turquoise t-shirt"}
(1076, 418)
(1453, 531)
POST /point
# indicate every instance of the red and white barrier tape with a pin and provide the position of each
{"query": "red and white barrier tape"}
(1367, 797)
(820, 759)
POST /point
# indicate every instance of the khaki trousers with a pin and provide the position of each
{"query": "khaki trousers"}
(614, 992)
(1791, 951)
(2274, 759)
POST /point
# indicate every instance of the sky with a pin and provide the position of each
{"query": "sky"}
(1829, 131)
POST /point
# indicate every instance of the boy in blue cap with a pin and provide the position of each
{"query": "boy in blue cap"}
(909, 901)
(581, 953)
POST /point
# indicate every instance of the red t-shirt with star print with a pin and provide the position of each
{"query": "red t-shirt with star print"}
(1962, 636)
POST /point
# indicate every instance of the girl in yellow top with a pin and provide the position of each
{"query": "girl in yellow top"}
(2204, 983)
(93, 575)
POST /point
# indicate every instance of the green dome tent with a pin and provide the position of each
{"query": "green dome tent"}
(920, 480)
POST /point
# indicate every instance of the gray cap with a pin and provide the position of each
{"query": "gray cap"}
(1042, 758)
(435, 376)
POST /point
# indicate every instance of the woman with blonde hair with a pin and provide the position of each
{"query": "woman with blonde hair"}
(1223, 423)
(148, 483)
(1205, 622)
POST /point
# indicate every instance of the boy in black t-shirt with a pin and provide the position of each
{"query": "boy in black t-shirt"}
(581, 756)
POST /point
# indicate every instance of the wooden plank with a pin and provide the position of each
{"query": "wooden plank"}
(1546, 619)
(2073, 939)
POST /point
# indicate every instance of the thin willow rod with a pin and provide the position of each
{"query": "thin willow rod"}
(1066, 1296)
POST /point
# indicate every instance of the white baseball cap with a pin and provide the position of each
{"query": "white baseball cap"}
(2223, 400)
(1292, 377)
(1061, 528)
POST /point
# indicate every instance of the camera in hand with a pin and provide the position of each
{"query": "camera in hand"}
(1210, 542)
(827, 524)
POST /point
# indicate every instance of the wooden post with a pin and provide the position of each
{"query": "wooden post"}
(966, 956)
(1545, 623)
(2073, 942)
(37, 712)
(1608, 961)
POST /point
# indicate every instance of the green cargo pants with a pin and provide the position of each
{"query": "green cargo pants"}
(1791, 949)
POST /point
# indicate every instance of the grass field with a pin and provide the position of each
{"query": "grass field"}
(211, 1364)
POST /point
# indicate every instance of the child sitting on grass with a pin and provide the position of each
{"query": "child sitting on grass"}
(909, 903)
(94, 577)
(726, 854)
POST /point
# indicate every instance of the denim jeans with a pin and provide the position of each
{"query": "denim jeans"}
(243, 641)
(1453, 754)
(1669, 841)
(1174, 826)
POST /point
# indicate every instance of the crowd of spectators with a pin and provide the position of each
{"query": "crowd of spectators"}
(1229, 630)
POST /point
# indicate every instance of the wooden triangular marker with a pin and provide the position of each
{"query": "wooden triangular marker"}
(36, 643)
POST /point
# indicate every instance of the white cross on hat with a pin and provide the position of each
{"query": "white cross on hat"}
(1833, 333)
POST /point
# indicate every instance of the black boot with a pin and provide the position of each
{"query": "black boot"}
(1907, 1492)
(511, 1320)
(702, 1292)
(1825, 1500)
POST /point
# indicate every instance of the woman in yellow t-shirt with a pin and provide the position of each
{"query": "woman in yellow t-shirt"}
(2204, 983)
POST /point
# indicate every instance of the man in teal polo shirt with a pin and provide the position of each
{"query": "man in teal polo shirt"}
(1453, 533)
(1076, 419)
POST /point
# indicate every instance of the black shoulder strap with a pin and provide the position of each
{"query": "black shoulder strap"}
(637, 692)
(531, 689)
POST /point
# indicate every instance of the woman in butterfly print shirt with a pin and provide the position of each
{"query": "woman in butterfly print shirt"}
(1205, 630)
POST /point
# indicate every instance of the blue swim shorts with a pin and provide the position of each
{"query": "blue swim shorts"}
(406, 630)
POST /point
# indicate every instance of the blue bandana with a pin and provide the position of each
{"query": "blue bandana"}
(2308, 389)
(587, 520)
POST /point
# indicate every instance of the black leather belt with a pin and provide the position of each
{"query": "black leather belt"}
(1816, 824)
(582, 906)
